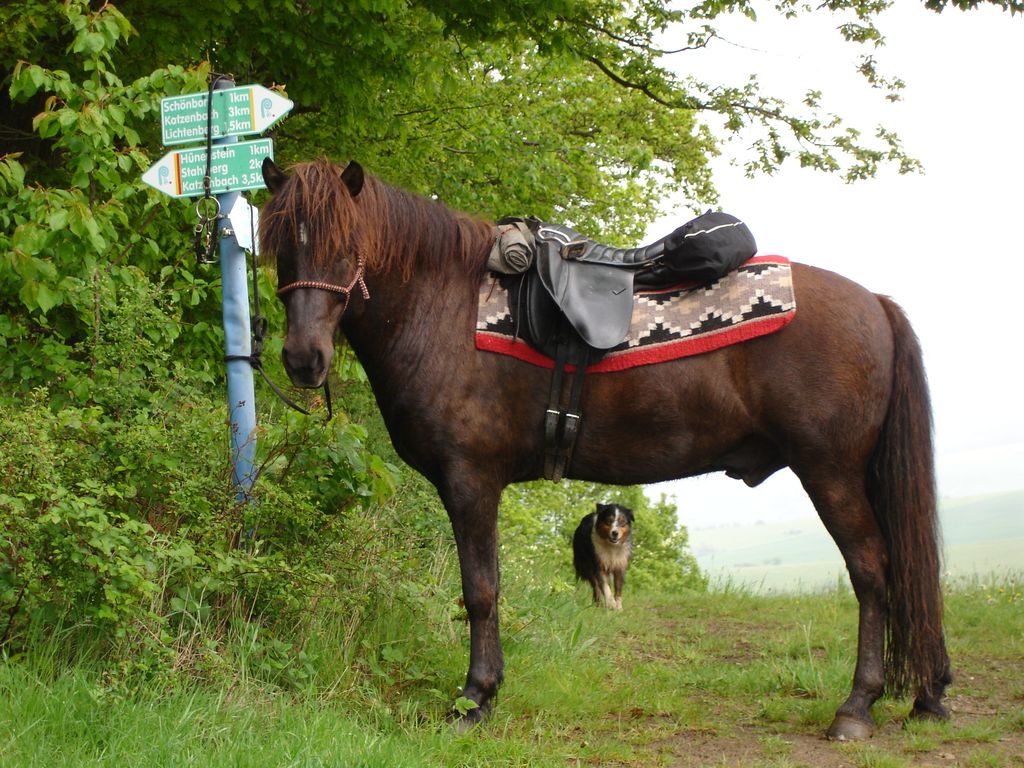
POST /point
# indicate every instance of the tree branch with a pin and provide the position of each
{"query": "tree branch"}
(633, 43)
(645, 90)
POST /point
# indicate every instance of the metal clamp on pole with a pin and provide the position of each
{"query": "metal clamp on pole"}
(207, 214)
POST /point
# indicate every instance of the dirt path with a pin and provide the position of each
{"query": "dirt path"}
(986, 729)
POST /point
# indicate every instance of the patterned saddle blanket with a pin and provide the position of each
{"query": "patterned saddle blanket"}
(755, 299)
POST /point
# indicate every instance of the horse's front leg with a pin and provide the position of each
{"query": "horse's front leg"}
(474, 517)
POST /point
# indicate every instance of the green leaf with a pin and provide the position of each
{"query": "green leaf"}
(88, 42)
(27, 81)
(30, 239)
(463, 705)
(58, 219)
(12, 172)
(47, 299)
(46, 124)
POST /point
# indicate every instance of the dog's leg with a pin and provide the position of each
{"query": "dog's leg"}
(595, 586)
(606, 590)
(620, 578)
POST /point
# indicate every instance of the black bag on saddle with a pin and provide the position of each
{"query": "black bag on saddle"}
(702, 250)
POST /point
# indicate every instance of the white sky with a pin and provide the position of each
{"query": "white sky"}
(948, 245)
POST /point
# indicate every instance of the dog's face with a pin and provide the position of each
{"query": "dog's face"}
(613, 523)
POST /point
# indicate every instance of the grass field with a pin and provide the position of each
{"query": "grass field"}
(981, 535)
(726, 678)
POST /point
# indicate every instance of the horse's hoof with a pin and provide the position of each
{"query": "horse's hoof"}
(464, 723)
(847, 728)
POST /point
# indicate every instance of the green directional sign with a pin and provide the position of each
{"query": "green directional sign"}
(238, 111)
(233, 167)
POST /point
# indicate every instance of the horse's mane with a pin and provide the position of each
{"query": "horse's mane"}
(394, 230)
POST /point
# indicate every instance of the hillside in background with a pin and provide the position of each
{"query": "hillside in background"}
(982, 535)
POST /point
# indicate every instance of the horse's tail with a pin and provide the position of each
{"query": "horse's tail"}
(901, 487)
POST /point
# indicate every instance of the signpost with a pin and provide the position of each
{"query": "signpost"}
(234, 166)
(236, 112)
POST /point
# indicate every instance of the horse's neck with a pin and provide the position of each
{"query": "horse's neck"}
(408, 327)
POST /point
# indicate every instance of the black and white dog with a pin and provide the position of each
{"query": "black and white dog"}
(601, 548)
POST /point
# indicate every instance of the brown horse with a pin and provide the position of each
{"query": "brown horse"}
(839, 395)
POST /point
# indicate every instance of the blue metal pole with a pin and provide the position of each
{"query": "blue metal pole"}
(237, 343)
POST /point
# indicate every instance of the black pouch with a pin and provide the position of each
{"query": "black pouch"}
(704, 249)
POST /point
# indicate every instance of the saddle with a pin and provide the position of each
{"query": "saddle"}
(574, 302)
(589, 283)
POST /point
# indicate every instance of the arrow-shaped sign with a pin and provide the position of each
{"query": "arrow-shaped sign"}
(238, 111)
(232, 167)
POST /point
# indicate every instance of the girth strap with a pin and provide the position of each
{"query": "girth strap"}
(562, 425)
(552, 418)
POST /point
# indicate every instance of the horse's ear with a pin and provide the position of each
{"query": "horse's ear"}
(353, 177)
(273, 176)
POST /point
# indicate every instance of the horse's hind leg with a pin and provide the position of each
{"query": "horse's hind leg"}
(846, 513)
(848, 516)
(474, 517)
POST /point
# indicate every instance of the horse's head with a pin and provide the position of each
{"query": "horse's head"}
(308, 227)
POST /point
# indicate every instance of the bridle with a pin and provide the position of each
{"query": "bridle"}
(346, 291)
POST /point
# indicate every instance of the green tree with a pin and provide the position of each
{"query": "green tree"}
(77, 229)
(566, 108)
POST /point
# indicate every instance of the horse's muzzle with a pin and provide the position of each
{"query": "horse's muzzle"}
(307, 364)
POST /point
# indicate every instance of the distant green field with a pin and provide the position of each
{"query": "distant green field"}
(982, 535)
